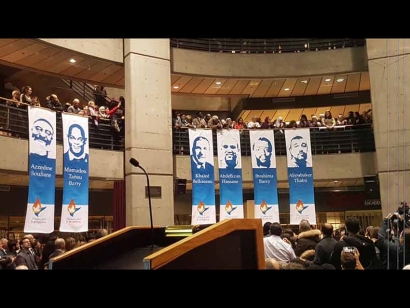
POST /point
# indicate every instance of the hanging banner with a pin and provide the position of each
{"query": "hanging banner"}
(42, 171)
(300, 173)
(264, 175)
(230, 174)
(74, 213)
(203, 180)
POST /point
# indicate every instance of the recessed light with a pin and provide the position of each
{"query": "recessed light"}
(327, 79)
(286, 89)
(304, 81)
(340, 79)
(175, 87)
(218, 82)
(73, 60)
(305, 45)
(335, 181)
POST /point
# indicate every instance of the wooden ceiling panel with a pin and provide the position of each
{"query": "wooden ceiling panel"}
(253, 113)
(313, 86)
(262, 88)
(174, 78)
(294, 114)
(23, 53)
(214, 88)
(14, 46)
(251, 87)
(353, 108)
(6, 41)
(321, 110)
(244, 114)
(336, 110)
(364, 107)
(267, 113)
(287, 87)
(300, 86)
(75, 68)
(191, 85)
(281, 113)
(227, 86)
(182, 81)
(309, 111)
(339, 84)
(103, 74)
(121, 82)
(49, 62)
(63, 65)
(93, 70)
(239, 86)
(205, 83)
(364, 82)
(353, 82)
(38, 57)
(275, 87)
(114, 78)
(326, 85)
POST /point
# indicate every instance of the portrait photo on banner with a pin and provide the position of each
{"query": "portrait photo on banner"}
(76, 142)
(229, 149)
(298, 146)
(42, 133)
(202, 156)
(262, 149)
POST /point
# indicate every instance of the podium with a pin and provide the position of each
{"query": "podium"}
(230, 244)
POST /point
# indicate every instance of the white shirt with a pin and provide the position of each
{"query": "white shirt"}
(252, 124)
(278, 249)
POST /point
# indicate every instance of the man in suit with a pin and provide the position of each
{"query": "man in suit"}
(76, 142)
(298, 150)
(25, 257)
(199, 155)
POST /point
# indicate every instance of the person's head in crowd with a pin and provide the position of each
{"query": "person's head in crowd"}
(275, 229)
(352, 225)
(327, 229)
(348, 261)
(266, 228)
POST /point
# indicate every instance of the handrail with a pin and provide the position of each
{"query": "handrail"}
(85, 90)
(14, 121)
(343, 139)
(270, 45)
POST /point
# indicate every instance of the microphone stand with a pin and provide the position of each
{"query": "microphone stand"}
(150, 207)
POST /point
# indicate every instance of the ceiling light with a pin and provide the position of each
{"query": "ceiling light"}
(335, 181)
(73, 60)
(305, 45)
(328, 79)
(340, 79)
(218, 82)
(286, 89)
(304, 81)
(175, 87)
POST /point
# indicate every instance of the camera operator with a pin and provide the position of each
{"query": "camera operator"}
(394, 240)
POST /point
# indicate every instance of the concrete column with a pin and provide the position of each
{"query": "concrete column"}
(389, 68)
(148, 135)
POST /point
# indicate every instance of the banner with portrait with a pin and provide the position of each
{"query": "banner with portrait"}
(300, 173)
(230, 174)
(42, 171)
(74, 213)
(203, 179)
(264, 175)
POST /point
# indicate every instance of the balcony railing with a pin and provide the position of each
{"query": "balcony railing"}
(14, 123)
(344, 139)
(271, 45)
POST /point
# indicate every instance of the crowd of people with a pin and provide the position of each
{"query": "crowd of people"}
(326, 120)
(30, 253)
(110, 111)
(349, 247)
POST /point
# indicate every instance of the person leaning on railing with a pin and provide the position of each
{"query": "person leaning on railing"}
(53, 103)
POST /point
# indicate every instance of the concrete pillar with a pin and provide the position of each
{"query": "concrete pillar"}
(389, 68)
(148, 135)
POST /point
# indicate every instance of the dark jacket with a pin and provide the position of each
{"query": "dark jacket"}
(324, 249)
(27, 259)
(363, 244)
(307, 240)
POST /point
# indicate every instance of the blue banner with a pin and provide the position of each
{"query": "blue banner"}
(203, 181)
(264, 175)
(230, 174)
(42, 171)
(300, 173)
(74, 213)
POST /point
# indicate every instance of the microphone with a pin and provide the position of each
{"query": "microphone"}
(136, 163)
